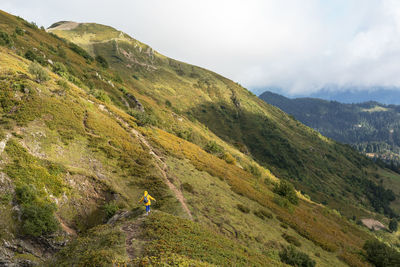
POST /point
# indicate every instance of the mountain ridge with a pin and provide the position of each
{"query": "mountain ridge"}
(362, 124)
(346, 94)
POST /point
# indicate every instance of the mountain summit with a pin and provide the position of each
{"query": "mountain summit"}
(91, 118)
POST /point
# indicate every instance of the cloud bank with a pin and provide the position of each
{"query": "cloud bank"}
(300, 46)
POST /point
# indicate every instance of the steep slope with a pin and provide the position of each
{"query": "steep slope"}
(84, 132)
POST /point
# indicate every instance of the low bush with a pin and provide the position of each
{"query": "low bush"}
(38, 219)
(19, 31)
(5, 39)
(143, 118)
(381, 255)
(291, 239)
(213, 148)
(40, 74)
(37, 216)
(60, 69)
(188, 187)
(80, 51)
(102, 96)
(286, 190)
(243, 208)
(32, 56)
(263, 214)
(110, 209)
(282, 202)
(294, 257)
(284, 226)
(393, 225)
(102, 61)
(253, 169)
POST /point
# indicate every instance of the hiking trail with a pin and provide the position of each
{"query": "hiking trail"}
(163, 168)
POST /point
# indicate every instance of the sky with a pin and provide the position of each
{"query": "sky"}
(300, 46)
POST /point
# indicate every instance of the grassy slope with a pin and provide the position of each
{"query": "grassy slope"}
(318, 166)
(102, 161)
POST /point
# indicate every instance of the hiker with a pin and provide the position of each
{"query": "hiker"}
(146, 198)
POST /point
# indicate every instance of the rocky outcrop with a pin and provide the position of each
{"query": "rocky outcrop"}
(134, 102)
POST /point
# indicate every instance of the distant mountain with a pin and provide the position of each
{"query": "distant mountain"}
(348, 95)
(373, 128)
(382, 95)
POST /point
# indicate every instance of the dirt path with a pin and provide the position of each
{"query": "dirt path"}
(133, 243)
(163, 169)
(160, 163)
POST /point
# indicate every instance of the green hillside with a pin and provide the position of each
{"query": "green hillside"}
(328, 172)
(371, 127)
(90, 118)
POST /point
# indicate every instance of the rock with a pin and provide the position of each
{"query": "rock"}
(137, 105)
(118, 216)
(373, 224)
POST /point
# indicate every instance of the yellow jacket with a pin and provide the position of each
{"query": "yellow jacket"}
(149, 198)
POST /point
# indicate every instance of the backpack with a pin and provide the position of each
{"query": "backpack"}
(145, 200)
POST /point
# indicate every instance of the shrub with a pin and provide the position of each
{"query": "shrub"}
(294, 257)
(284, 225)
(393, 225)
(243, 208)
(19, 31)
(5, 39)
(123, 90)
(102, 61)
(143, 118)
(253, 169)
(380, 254)
(263, 214)
(35, 57)
(60, 69)
(286, 190)
(110, 209)
(188, 187)
(291, 239)
(282, 202)
(80, 51)
(103, 96)
(168, 103)
(213, 148)
(37, 217)
(39, 73)
(186, 134)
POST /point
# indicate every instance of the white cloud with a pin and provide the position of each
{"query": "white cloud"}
(298, 45)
